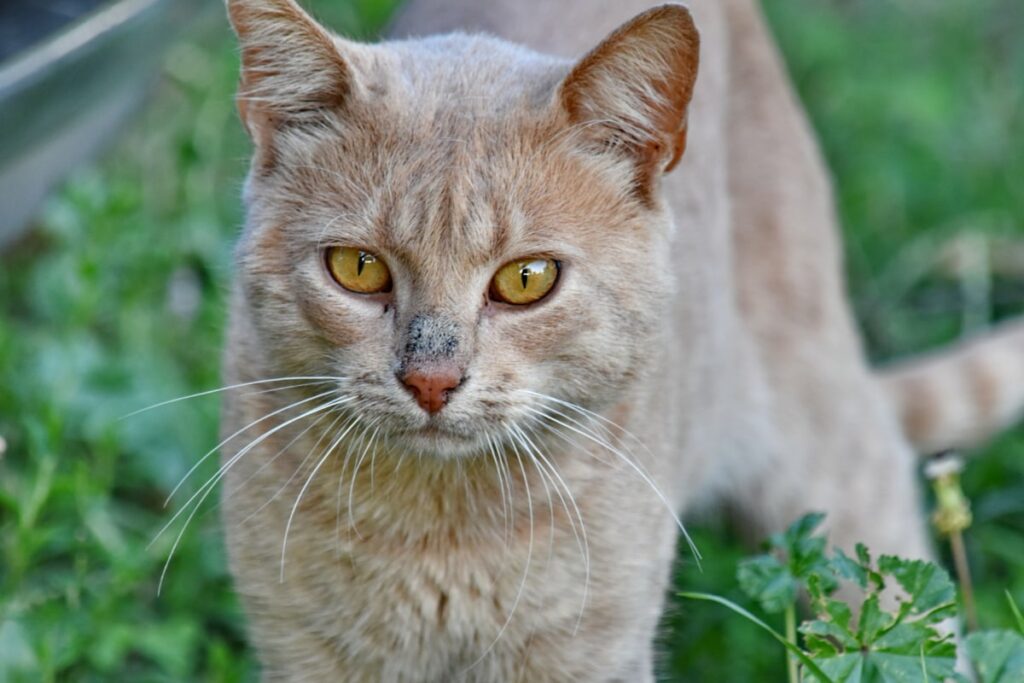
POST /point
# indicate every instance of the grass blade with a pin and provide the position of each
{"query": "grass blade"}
(793, 649)
(1016, 612)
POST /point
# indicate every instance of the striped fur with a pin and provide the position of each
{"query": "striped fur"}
(960, 396)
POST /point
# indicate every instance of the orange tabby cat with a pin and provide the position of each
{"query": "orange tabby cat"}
(507, 347)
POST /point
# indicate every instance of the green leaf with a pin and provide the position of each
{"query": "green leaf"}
(795, 533)
(887, 647)
(998, 656)
(927, 585)
(826, 637)
(909, 661)
(909, 637)
(817, 590)
(863, 555)
(797, 557)
(908, 668)
(805, 552)
(765, 579)
(849, 569)
(848, 668)
(872, 620)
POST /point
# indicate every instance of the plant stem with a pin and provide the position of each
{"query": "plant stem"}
(963, 571)
(951, 517)
(792, 664)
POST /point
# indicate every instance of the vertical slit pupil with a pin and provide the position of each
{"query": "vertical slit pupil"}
(362, 262)
(524, 274)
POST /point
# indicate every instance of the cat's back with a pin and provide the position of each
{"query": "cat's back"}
(567, 28)
(787, 257)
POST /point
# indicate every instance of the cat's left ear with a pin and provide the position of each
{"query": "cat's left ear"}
(630, 93)
(293, 69)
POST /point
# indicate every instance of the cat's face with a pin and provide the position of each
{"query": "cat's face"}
(378, 223)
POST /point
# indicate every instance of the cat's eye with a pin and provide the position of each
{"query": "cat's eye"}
(525, 281)
(358, 271)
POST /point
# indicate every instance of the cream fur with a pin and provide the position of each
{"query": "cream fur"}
(703, 313)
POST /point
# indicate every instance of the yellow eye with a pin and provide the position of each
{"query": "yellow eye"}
(358, 271)
(524, 281)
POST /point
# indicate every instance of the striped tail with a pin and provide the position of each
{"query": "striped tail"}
(961, 396)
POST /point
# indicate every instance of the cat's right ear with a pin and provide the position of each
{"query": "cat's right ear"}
(630, 94)
(293, 72)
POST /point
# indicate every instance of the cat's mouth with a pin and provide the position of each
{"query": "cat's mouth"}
(437, 440)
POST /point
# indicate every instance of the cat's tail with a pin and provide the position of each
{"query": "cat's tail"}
(960, 396)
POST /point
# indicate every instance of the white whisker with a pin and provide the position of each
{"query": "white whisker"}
(505, 499)
(305, 486)
(590, 413)
(633, 465)
(208, 392)
(352, 492)
(373, 456)
(291, 477)
(281, 451)
(341, 474)
(518, 437)
(211, 484)
(526, 568)
(236, 434)
(581, 534)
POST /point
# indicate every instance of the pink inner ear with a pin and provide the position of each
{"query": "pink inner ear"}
(679, 149)
(633, 89)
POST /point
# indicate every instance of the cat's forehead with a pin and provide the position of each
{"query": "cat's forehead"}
(484, 194)
(473, 73)
(455, 154)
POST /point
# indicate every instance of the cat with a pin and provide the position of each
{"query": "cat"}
(505, 306)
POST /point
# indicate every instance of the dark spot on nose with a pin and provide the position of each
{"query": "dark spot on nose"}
(432, 387)
(432, 337)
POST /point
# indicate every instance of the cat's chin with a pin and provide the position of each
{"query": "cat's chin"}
(433, 441)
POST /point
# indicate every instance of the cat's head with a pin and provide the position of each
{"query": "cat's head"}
(456, 227)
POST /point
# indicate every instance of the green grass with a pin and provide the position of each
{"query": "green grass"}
(116, 301)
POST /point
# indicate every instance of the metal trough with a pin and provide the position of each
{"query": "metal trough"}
(71, 71)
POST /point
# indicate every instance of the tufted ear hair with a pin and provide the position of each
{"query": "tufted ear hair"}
(293, 70)
(630, 93)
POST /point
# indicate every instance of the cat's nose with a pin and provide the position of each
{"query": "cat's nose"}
(431, 388)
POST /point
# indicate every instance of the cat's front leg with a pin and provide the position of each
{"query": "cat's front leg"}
(840, 451)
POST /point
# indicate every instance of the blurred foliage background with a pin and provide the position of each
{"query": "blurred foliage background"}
(116, 301)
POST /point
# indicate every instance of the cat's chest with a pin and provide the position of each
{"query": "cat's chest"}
(419, 574)
(441, 599)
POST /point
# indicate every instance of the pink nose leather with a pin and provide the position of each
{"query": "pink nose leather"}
(431, 389)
